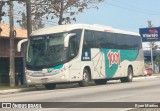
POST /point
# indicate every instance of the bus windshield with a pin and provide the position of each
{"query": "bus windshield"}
(45, 51)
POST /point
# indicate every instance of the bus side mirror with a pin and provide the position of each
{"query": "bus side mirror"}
(66, 40)
(20, 44)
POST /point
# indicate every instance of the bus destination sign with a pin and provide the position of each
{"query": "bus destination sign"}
(150, 34)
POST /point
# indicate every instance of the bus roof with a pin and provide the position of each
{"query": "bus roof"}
(65, 28)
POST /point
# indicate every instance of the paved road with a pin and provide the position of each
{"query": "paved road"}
(140, 90)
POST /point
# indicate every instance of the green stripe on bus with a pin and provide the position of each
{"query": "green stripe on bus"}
(54, 68)
(112, 66)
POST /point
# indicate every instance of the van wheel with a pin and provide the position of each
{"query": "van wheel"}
(50, 86)
(100, 82)
(129, 77)
(86, 79)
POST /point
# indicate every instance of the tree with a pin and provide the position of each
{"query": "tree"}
(2, 13)
(36, 20)
(23, 22)
(64, 10)
(37, 24)
(158, 59)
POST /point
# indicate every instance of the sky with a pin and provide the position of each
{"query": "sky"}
(124, 14)
(127, 15)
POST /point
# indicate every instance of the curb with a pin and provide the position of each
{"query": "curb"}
(146, 77)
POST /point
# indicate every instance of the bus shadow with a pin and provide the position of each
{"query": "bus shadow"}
(75, 85)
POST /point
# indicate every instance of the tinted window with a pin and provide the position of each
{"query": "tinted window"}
(77, 37)
(97, 39)
(74, 43)
(128, 42)
(89, 40)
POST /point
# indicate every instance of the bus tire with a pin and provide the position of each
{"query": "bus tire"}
(100, 81)
(86, 79)
(129, 77)
(50, 86)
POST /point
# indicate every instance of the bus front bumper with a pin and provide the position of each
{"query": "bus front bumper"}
(33, 80)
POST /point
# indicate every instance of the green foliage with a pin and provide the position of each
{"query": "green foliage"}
(37, 24)
(64, 10)
(158, 59)
(36, 20)
(2, 13)
(61, 11)
(23, 22)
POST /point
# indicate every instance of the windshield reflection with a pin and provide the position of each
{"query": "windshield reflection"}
(44, 51)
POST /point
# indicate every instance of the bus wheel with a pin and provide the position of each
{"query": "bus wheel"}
(129, 77)
(86, 79)
(100, 82)
(50, 86)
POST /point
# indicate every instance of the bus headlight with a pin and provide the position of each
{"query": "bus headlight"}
(29, 73)
(29, 81)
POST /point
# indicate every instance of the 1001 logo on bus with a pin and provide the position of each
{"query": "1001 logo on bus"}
(114, 58)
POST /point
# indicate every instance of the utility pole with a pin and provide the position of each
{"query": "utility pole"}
(11, 35)
(29, 21)
(151, 45)
(12, 53)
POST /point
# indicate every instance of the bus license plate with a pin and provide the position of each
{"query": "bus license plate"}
(43, 80)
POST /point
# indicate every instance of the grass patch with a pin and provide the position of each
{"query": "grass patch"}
(156, 74)
(8, 87)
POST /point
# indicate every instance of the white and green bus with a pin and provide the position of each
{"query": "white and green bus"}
(82, 53)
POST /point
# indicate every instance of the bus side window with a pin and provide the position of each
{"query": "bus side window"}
(73, 47)
(89, 41)
(85, 45)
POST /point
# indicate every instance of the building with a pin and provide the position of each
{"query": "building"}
(4, 53)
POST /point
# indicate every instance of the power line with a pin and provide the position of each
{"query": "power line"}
(133, 9)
